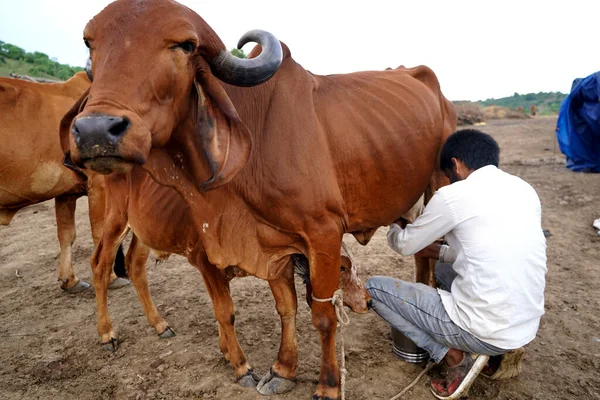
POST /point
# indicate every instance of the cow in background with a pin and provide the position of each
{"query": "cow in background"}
(31, 169)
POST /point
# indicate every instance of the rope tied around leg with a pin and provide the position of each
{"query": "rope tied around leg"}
(342, 317)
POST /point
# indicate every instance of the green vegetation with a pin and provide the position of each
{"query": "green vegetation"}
(238, 53)
(547, 103)
(15, 59)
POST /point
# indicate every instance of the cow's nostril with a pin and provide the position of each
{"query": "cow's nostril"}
(119, 126)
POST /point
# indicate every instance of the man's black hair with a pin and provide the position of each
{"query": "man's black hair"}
(474, 148)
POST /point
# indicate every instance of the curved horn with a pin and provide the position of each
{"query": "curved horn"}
(249, 72)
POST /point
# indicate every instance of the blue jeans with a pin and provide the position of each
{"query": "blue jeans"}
(417, 311)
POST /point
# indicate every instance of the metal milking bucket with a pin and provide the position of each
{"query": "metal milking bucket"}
(406, 350)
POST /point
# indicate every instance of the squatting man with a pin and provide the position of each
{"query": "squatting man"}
(490, 274)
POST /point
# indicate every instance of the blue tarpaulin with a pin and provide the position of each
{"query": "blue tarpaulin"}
(578, 127)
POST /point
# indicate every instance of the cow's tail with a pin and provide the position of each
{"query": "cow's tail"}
(119, 267)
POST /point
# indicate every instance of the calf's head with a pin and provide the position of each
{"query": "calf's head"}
(156, 69)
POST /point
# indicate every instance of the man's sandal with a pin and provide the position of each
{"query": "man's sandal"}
(505, 366)
(459, 379)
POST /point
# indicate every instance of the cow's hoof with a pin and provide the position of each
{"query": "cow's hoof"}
(167, 333)
(326, 393)
(248, 380)
(79, 287)
(112, 345)
(119, 283)
(273, 383)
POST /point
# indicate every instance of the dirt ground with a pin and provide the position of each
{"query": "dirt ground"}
(50, 348)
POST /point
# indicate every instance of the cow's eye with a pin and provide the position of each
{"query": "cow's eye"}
(342, 268)
(187, 46)
(87, 44)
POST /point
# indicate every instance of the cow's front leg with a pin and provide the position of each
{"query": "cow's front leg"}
(282, 377)
(324, 279)
(101, 262)
(137, 255)
(424, 271)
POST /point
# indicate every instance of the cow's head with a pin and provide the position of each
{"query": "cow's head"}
(354, 292)
(156, 68)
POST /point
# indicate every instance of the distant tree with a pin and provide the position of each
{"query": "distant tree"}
(239, 53)
(11, 51)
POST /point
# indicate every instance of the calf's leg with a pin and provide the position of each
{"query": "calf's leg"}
(217, 287)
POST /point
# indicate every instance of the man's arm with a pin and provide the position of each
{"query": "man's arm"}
(438, 251)
(435, 222)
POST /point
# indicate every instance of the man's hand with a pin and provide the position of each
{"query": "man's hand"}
(401, 222)
(432, 251)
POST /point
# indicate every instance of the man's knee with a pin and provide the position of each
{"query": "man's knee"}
(379, 285)
(375, 283)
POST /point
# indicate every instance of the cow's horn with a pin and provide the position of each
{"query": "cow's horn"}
(249, 72)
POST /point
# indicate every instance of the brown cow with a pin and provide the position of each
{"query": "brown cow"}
(31, 169)
(160, 219)
(533, 110)
(284, 167)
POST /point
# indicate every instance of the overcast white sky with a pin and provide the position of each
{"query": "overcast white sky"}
(478, 49)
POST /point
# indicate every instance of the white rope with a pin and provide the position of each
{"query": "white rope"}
(413, 383)
(338, 303)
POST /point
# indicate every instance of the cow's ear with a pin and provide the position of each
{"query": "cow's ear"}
(226, 141)
(65, 131)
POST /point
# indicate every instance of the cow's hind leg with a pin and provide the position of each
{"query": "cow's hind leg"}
(217, 287)
(137, 255)
(425, 267)
(65, 224)
(424, 271)
(282, 377)
(325, 261)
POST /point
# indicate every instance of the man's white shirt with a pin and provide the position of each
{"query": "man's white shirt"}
(492, 223)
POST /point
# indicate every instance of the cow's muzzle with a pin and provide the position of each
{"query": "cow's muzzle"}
(98, 138)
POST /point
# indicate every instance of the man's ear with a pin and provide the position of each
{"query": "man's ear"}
(65, 131)
(226, 141)
(455, 165)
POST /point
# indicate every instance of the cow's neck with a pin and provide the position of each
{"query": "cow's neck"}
(228, 230)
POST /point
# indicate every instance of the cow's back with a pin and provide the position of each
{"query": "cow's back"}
(30, 113)
(363, 146)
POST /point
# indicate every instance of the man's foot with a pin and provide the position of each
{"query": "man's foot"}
(505, 366)
(459, 378)
(492, 366)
